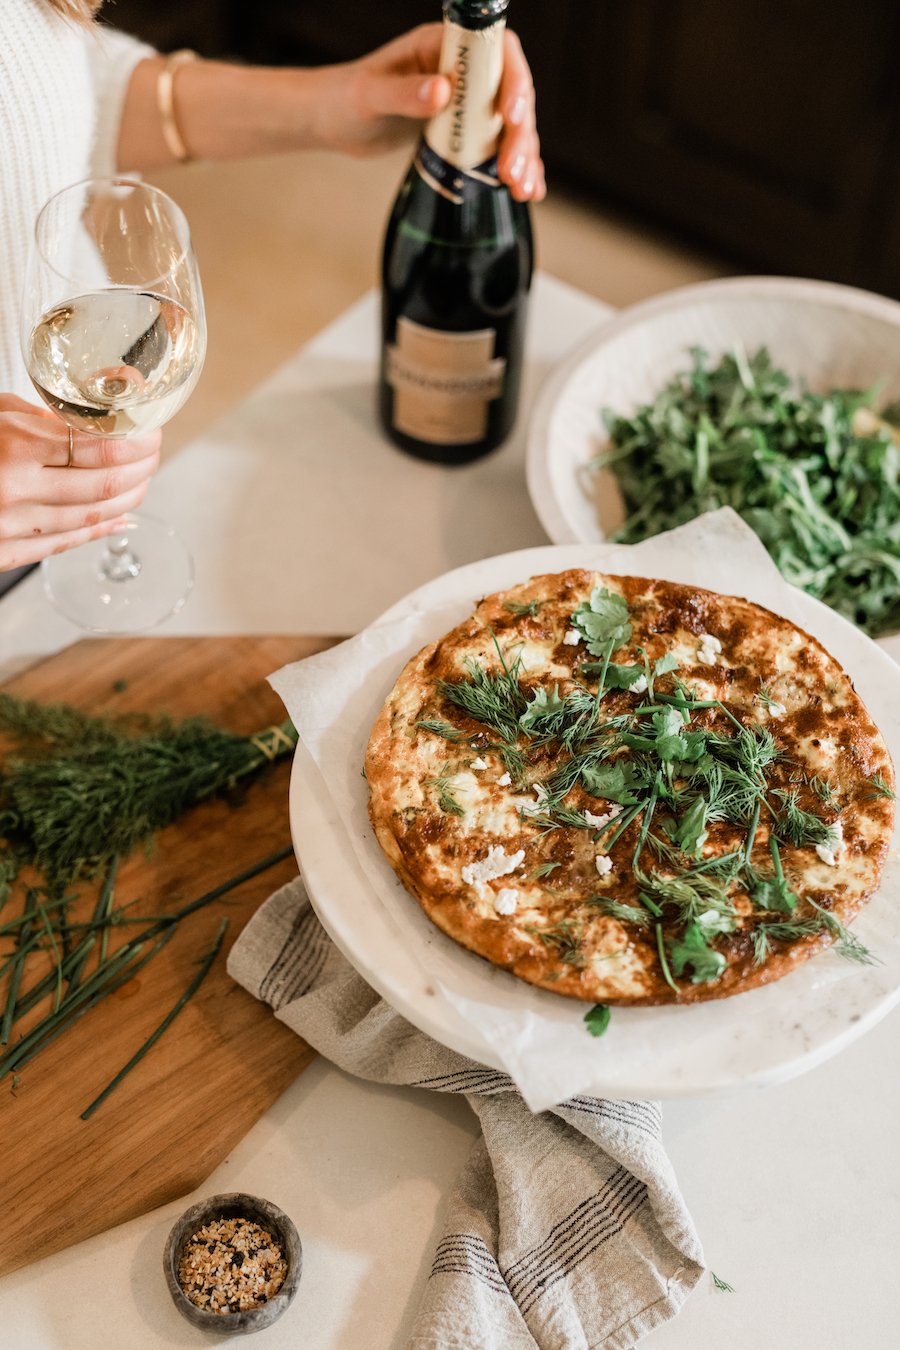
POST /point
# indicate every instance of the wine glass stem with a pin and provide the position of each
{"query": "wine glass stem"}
(119, 562)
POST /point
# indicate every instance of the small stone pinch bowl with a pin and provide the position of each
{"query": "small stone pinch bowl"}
(234, 1205)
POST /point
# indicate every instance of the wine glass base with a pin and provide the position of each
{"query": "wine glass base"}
(78, 583)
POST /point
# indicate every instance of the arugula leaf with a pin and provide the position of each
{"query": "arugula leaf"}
(597, 1019)
(603, 620)
(816, 480)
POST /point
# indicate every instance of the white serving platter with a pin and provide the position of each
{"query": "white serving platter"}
(764, 1036)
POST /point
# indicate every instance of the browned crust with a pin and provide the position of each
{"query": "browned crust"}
(428, 847)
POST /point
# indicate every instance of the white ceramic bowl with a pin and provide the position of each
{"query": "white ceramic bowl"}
(825, 335)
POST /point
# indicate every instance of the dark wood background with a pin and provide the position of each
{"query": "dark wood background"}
(766, 129)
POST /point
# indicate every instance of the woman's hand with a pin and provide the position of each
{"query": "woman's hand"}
(369, 105)
(46, 507)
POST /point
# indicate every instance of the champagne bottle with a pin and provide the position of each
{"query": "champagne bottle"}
(457, 264)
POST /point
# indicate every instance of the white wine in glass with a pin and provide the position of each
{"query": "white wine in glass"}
(114, 335)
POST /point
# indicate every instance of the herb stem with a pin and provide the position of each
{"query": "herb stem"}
(205, 966)
(664, 960)
(751, 833)
(18, 967)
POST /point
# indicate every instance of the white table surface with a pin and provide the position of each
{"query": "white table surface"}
(303, 519)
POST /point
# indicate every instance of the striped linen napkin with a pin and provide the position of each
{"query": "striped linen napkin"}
(566, 1229)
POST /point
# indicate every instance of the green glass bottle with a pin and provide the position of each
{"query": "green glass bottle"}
(457, 265)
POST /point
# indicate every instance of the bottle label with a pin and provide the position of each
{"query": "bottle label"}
(443, 383)
(466, 132)
(457, 185)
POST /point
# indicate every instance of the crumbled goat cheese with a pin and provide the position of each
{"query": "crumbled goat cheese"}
(776, 709)
(603, 864)
(478, 763)
(504, 780)
(537, 806)
(710, 647)
(572, 638)
(496, 863)
(831, 851)
(599, 821)
(640, 685)
(506, 901)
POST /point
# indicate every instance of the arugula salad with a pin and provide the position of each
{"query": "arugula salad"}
(816, 476)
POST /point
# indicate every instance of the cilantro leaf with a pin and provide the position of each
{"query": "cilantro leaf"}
(692, 950)
(617, 677)
(544, 707)
(664, 665)
(616, 782)
(603, 620)
(597, 1019)
(690, 833)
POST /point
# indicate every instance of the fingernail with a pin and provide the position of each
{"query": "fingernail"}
(517, 168)
(516, 114)
(528, 186)
(426, 90)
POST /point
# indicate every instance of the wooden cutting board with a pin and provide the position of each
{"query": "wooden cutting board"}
(225, 1059)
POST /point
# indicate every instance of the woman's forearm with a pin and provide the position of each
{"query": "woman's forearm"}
(225, 111)
(222, 111)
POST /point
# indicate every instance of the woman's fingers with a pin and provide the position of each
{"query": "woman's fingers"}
(71, 487)
(415, 96)
(519, 162)
(21, 552)
(32, 519)
(12, 403)
(92, 452)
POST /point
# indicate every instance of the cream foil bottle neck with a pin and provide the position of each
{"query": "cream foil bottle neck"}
(467, 131)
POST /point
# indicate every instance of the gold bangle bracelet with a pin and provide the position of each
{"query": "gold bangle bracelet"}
(165, 99)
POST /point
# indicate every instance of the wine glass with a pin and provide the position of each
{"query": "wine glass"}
(113, 334)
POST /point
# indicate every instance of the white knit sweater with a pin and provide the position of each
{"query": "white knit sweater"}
(61, 93)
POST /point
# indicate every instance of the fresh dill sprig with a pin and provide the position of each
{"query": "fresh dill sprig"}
(496, 700)
(880, 787)
(780, 931)
(438, 727)
(824, 791)
(614, 909)
(85, 789)
(443, 783)
(564, 939)
(846, 944)
(796, 826)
